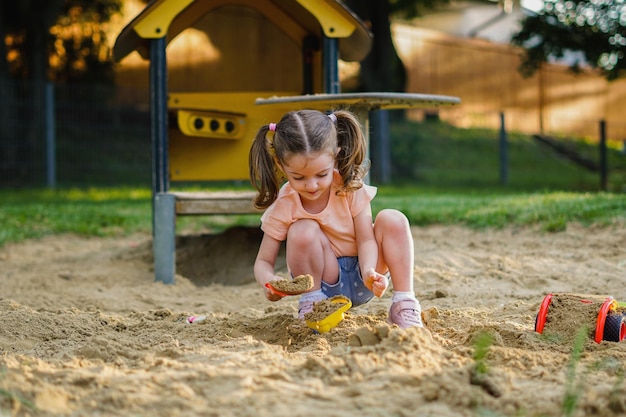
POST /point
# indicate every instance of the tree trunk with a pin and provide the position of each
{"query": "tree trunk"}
(382, 70)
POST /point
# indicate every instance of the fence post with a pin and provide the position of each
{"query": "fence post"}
(50, 134)
(504, 160)
(603, 160)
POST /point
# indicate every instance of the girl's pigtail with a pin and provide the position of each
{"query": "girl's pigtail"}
(262, 166)
(351, 162)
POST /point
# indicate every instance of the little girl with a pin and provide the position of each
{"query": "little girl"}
(323, 212)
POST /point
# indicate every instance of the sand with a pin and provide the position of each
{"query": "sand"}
(293, 286)
(85, 331)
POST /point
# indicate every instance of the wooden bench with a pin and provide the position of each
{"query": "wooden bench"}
(169, 205)
(214, 202)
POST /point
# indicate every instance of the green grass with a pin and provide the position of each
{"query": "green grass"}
(435, 154)
(552, 211)
(441, 175)
(114, 212)
(13, 397)
(575, 383)
(94, 212)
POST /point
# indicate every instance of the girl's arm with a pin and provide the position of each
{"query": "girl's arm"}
(368, 252)
(264, 265)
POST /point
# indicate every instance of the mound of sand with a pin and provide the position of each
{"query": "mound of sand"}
(85, 330)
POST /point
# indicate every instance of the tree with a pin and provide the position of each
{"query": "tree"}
(57, 40)
(24, 28)
(382, 69)
(45, 40)
(595, 30)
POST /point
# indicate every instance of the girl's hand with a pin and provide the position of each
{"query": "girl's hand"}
(377, 283)
(271, 295)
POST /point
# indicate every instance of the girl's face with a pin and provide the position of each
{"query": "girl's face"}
(311, 175)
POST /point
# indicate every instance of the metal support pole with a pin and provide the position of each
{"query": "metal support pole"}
(164, 240)
(330, 56)
(163, 204)
(603, 159)
(504, 152)
(158, 116)
(50, 133)
(310, 44)
(381, 163)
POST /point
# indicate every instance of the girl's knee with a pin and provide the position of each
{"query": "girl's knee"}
(305, 231)
(391, 219)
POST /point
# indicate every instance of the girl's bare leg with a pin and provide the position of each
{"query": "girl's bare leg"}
(395, 248)
(396, 253)
(309, 252)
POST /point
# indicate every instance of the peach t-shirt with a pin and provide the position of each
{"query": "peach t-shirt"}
(336, 220)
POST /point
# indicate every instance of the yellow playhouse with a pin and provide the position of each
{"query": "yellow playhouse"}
(264, 57)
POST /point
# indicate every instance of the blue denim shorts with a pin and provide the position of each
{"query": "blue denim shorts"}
(350, 283)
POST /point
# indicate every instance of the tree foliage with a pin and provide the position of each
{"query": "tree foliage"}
(595, 30)
(57, 40)
(45, 40)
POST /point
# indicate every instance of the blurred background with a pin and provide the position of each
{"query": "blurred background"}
(542, 78)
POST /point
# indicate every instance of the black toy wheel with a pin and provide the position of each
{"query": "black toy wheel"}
(614, 328)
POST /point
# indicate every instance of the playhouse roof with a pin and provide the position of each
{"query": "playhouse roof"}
(297, 18)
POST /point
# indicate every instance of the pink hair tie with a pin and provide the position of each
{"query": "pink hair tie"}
(333, 117)
(272, 127)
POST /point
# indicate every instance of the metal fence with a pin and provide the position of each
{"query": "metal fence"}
(73, 135)
(90, 135)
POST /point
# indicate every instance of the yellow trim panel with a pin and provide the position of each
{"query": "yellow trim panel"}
(156, 24)
(334, 23)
